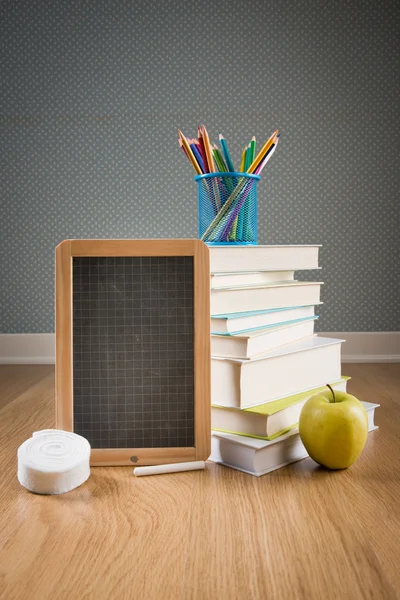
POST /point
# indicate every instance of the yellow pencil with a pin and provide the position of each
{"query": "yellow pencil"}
(262, 153)
(207, 147)
(242, 163)
(189, 153)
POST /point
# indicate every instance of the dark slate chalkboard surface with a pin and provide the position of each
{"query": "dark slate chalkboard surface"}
(133, 339)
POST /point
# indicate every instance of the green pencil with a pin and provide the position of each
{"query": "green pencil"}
(219, 160)
(252, 149)
(234, 231)
(227, 186)
(250, 155)
(243, 216)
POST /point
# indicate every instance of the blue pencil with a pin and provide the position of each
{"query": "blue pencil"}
(225, 150)
(197, 155)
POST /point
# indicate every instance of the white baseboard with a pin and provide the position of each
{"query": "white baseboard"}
(361, 347)
(368, 346)
(27, 348)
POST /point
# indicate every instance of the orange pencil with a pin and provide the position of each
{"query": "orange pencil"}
(207, 147)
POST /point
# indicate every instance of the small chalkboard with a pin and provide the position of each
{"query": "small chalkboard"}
(133, 349)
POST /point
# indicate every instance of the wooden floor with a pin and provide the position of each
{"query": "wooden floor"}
(300, 532)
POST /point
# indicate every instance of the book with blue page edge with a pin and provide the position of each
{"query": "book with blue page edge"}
(238, 322)
(252, 343)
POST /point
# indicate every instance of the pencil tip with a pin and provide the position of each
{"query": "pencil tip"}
(221, 137)
(253, 139)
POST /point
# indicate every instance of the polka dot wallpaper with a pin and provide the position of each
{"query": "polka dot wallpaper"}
(92, 94)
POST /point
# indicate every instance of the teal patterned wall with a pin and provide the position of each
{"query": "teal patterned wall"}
(92, 94)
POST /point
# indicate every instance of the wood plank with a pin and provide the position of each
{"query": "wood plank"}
(292, 534)
(300, 532)
(12, 384)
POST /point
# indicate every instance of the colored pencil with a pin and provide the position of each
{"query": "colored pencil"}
(243, 160)
(262, 153)
(211, 166)
(197, 154)
(218, 159)
(252, 149)
(202, 150)
(245, 230)
(189, 153)
(234, 232)
(225, 151)
(207, 147)
(267, 156)
(241, 223)
(228, 183)
(247, 161)
(185, 151)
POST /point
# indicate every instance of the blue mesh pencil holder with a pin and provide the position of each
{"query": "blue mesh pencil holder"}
(227, 208)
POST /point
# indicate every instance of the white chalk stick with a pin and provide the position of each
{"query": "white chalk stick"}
(174, 468)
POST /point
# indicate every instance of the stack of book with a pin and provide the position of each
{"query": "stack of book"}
(266, 359)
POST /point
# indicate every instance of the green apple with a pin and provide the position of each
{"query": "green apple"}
(333, 427)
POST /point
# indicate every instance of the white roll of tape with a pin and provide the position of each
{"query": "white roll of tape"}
(53, 461)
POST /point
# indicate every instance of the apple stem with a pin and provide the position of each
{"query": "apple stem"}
(333, 393)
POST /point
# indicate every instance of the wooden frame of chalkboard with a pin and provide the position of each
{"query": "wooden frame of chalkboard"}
(69, 256)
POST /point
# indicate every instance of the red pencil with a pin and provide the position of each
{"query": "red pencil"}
(203, 151)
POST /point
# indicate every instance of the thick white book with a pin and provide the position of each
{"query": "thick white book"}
(248, 278)
(284, 371)
(370, 408)
(240, 322)
(252, 343)
(228, 259)
(273, 295)
(269, 420)
(258, 457)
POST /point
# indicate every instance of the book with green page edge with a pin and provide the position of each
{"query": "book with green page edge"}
(258, 457)
(266, 421)
(297, 367)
